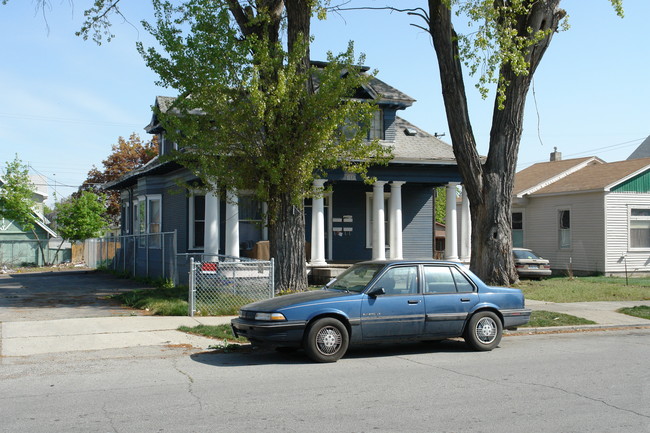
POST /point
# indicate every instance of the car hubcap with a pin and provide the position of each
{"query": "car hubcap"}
(486, 330)
(328, 340)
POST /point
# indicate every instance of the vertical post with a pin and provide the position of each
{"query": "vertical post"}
(451, 233)
(175, 258)
(378, 223)
(318, 225)
(465, 229)
(190, 295)
(395, 209)
(232, 224)
(272, 279)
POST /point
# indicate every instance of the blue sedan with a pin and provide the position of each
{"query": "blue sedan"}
(385, 301)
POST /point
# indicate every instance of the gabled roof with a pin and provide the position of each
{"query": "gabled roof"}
(540, 175)
(595, 175)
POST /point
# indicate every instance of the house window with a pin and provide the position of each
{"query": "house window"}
(564, 228)
(197, 221)
(639, 228)
(126, 218)
(250, 222)
(370, 217)
(377, 126)
(154, 220)
(517, 229)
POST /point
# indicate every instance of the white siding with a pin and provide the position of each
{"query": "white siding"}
(587, 230)
(617, 246)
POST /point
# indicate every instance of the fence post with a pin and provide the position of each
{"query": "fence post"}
(190, 302)
(272, 282)
(175, 258)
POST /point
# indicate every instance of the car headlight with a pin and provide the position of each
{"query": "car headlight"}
(270, 316)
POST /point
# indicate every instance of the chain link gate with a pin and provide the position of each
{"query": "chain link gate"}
(219, 287)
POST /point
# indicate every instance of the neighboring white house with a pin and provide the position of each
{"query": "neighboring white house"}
(585, 215)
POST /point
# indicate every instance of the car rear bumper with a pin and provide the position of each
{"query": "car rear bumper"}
(269, 333)
(516, 317)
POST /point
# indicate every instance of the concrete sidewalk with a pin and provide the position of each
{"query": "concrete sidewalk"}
(25, 338)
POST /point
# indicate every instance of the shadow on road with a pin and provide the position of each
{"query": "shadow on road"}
(249, 356)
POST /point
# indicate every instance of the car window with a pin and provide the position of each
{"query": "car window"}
(462, 283)
(524, 255)
(438, 279)
(400, 280)
(356, 278)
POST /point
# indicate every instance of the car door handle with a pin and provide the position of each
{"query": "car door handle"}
(464, 299)
(413, 301)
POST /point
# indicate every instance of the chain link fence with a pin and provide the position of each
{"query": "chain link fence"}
(145, 255)
(220, 285)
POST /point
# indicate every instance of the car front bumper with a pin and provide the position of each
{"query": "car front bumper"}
(288, 333)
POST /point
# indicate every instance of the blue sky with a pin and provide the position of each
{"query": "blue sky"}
(65, 101)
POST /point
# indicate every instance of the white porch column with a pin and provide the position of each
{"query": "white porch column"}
(318, 225)
(395, 220)
(232, 224)
(211, 230)
(465, 230)
(451, 230)
(378, 222)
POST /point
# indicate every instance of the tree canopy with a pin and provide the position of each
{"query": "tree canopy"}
(126, 155)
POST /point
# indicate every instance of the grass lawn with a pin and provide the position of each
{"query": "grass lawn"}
(641, 311)
(586, 289)
(542, 319)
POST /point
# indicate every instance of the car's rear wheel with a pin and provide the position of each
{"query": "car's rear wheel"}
(484, 331)
(326, 340)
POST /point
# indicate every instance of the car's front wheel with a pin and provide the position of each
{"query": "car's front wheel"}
(484, 331)
(326, 340)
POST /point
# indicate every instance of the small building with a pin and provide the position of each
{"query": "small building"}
(585, 215)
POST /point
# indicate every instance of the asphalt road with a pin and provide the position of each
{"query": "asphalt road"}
(62, 295)
(574, 382)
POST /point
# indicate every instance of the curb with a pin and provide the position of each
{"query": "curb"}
(577, 328)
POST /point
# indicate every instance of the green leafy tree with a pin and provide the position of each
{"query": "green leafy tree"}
(127, 154)
(252, 115)
(82, 217)
(17, 199)
(509, 40)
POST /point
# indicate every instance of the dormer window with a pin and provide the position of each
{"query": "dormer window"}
(377, 126)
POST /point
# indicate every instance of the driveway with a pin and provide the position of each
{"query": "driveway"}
(62, 295)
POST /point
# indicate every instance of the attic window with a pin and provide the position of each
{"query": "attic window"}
(410, 132)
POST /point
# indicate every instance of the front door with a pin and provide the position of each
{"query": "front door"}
(399, 312)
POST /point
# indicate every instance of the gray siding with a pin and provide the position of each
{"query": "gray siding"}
(541, 231)
(417, 220)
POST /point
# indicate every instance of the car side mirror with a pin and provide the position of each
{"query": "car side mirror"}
(376, 291)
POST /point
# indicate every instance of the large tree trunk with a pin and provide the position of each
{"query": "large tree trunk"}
(287, 243)
(489, 185)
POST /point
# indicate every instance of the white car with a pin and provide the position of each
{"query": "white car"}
(529, 264)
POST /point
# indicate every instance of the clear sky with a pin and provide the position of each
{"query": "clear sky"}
(65, 101)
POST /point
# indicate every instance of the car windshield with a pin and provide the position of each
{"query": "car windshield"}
(524, 254)
(356, 278)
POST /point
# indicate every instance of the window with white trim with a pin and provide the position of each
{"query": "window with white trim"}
(517, 229)
(639, 225)
(154, 220)
(196, 229)
(370, 216)
(564, 228)
(377, 126)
